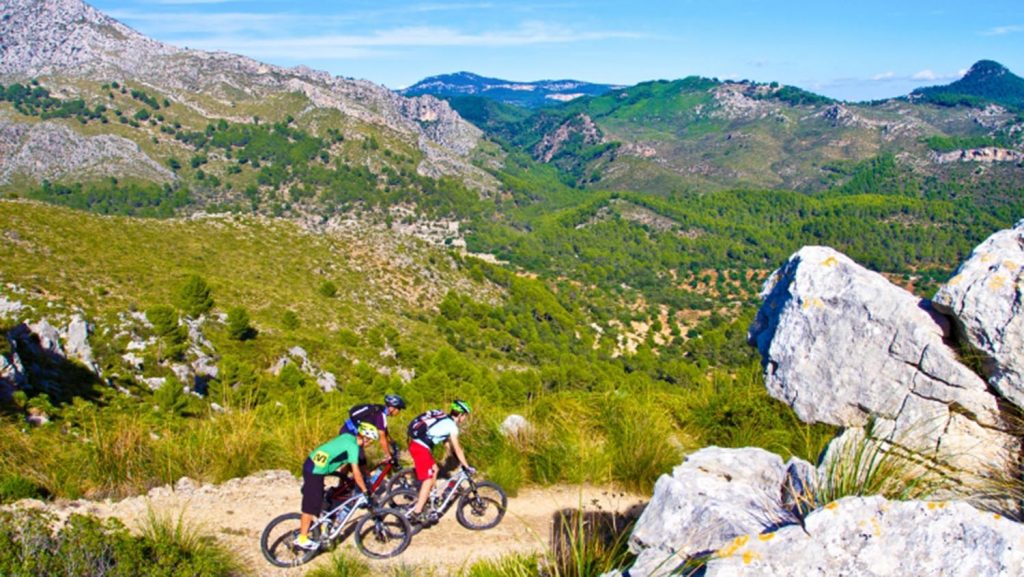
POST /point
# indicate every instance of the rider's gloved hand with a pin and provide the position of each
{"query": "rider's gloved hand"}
(469, 470)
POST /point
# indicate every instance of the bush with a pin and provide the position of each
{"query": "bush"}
(194, 297)
(328, 289)
(87, 546)
(239, 328)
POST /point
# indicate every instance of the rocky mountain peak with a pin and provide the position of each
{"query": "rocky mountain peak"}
(984, 70)
(50, 36)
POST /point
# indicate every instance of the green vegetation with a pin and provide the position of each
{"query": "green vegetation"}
(798, 96)
(32, 543)
(112, 197)
(508, 342)
(950, 143)
(34, 100)
(194, 297)
(986, 82)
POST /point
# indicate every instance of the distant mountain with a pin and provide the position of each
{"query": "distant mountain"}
(525, 94)
(75, 54)
(703, 134)
(987, 82)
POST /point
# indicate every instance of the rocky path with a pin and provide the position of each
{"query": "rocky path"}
(236, 512)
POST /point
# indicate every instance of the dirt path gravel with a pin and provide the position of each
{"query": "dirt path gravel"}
(236, 512)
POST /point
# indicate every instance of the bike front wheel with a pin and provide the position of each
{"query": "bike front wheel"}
(383, 533)
(483, 507)
(277, 540)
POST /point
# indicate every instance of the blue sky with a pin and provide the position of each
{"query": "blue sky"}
(849, 50)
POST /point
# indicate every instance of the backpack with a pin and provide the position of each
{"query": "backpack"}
(418, 426)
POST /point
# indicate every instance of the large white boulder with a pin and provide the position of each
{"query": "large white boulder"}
(841, 345)
(714, 496)
(870, 536)
(986, 297)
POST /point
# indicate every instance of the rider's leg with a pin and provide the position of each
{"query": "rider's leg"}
(312, 497)
(426, 472)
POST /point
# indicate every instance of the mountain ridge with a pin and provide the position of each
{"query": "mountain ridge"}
(533, 94)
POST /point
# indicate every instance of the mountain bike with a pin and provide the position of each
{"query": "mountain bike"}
(479, 505)
(383, 532)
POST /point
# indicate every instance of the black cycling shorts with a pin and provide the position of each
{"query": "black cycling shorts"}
(312, 489)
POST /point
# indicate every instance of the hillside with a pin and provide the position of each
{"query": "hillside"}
(524, 94)
(699, 134)
(115, 100)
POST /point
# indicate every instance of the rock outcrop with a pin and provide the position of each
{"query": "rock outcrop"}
(986, 297)
(714, 496)
(873, 537)
(50, 150)
(988, 154)
(842, 345)
(580, 127)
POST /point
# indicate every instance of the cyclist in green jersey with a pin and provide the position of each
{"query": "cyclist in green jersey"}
(328, 458)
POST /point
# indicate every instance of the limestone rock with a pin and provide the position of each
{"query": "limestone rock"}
(47, 337)
(986, 297)
(841, 344)
(871, 536)
(50, 150)
(714, 496)
(76, 343)
(515, 426)
(9, 308)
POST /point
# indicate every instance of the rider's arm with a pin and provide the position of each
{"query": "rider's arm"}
(385, 445)
(453, 442)
(357, 476)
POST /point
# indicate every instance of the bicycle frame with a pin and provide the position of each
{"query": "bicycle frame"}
(329, 519)
(452, 488)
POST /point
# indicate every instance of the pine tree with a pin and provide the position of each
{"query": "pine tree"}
(194, 297)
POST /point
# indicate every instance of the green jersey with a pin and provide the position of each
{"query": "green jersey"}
(335, 453)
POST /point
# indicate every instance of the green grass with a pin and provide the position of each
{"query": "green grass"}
(342, 564)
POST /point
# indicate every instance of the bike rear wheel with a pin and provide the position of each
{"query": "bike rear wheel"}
(404, 479)
(383, 533)
(483, 507)
(277, 539)
(403, 500)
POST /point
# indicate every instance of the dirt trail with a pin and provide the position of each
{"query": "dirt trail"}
(236, 512)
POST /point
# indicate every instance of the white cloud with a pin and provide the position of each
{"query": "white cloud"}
(884, 77)
(1003, 30)
(349, 46)
(925, 75)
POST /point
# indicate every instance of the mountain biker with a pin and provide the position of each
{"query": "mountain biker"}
(328, 458)
(376, 415)
(426, 431)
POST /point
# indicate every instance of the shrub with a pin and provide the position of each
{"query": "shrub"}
(194, 297)
(328, 289)
(87, 546)
(239, 328)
